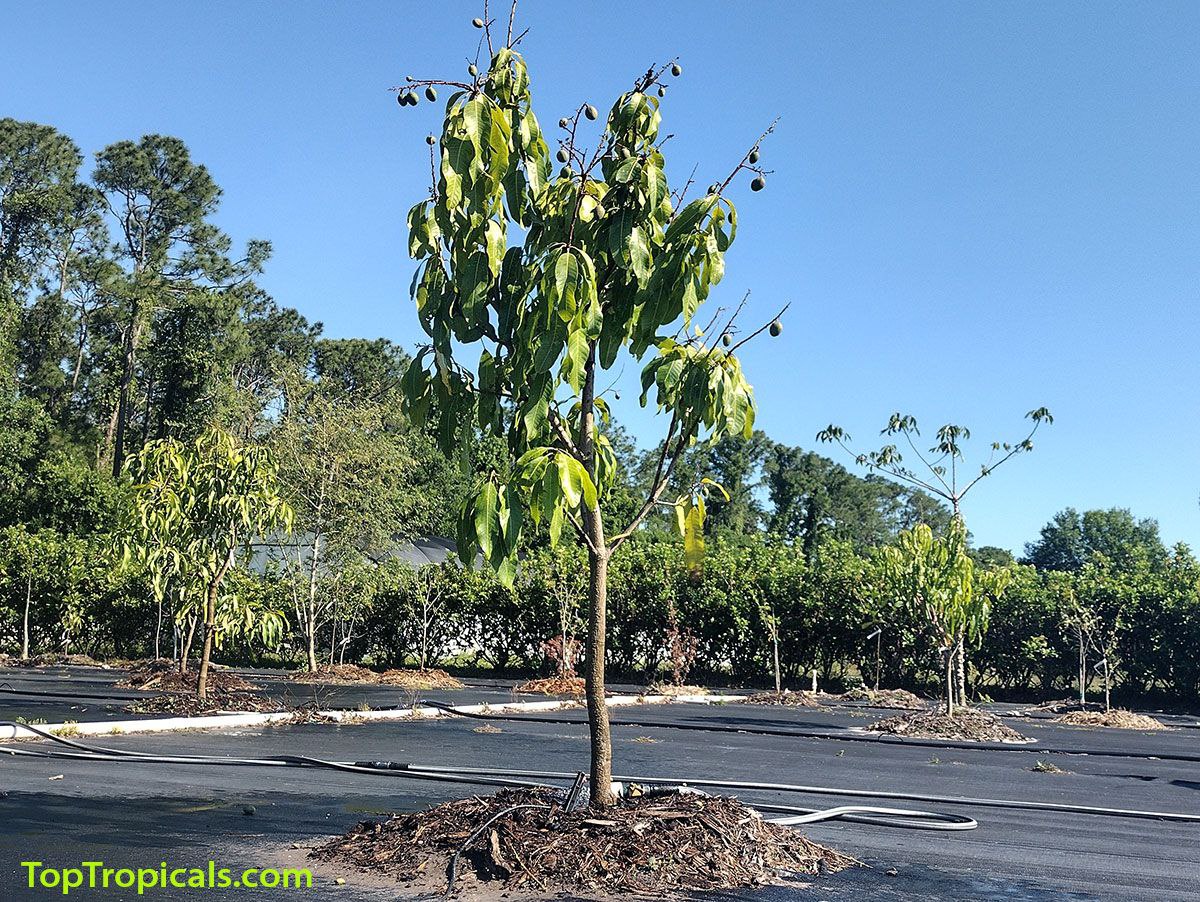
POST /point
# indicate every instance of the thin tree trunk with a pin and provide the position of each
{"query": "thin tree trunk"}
(775, 655)
(1107, 687)
(186, 651)
(962, 671)
(210, 624)
(25, 622)
(122, 411)
(158, 630)
(601, 737)
(210, 616)
(1082, 673)
(949, 668)
(310, 619)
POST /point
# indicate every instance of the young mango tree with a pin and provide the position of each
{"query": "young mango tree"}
(531, 283)
(938, 576)
(941, 472)
(194, 505)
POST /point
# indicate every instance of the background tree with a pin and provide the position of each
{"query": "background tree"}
(609, 261)
(1071, 540)
(172, 254)
(939, 474)
(38, 188)
(348, 466)
(194, 506)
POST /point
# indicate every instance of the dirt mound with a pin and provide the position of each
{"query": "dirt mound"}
(654, 845)
(966, 723)
(885, 698)
(419, 679)
(1118, 718)
(164, 676)
(219, 701)
(787, 698)
(671, 689)
(402, 678)
(896, 698)
(336, 673)
(557, 685)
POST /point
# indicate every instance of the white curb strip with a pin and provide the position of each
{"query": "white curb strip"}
(230, 721)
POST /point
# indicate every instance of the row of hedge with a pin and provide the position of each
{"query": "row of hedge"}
(1146, 618)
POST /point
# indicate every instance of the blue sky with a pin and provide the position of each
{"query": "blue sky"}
(976, 209)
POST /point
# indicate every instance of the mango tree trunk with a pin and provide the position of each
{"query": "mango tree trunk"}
(601, 765)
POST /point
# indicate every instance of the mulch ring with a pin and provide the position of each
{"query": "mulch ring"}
(787, 698)
(887, 698)
(673, 689)
(1118, 718)
(402, 678)
(164, 676)
(655, 845)
(965, 723)
(429, 678)
(555, 685)
(188, 704)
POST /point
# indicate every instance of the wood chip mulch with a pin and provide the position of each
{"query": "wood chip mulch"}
(556, 685)
(164, 676)
(966, 723)
(1118, 718)
(403, 678)
(888, 698)
(655, 845)
(188, 704)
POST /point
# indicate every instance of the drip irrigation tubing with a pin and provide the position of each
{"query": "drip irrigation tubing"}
(529, 778)
(865, 814)
(839, 736)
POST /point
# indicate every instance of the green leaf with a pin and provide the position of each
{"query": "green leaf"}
(693, 536)
(487, 521)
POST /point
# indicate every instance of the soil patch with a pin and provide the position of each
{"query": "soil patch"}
(966, 723)
(164, 676)
(555, 685)
(524, 841)
(1117, 718)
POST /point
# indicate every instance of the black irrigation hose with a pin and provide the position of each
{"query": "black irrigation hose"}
(102, 753)
(860, 793)
(916, 820)
(841, 736)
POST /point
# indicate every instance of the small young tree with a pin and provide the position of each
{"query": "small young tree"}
(939, 473)
(1105, 605)
(345, 469)
(936, 574)
(39, 571)
(609, 260)
(194, 505)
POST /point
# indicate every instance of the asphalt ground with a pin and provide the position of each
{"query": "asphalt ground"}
(138, 814)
